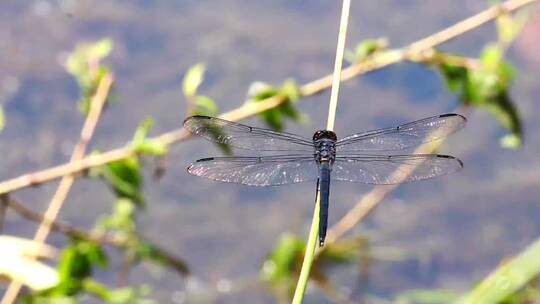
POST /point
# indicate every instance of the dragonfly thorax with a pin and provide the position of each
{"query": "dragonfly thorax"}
(324, 142)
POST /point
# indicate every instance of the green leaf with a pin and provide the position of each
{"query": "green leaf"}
(282, 263)
(491, 57)
(142, 144)
(193, 79)
(365, 48)
(290, 90)
(487, 86)
(275, 117)
(507, 279)
(429, 296)
(511, 141)
(124, 177)
(84, 64)
(206, 106)
(282, 267)
(121, 220)
(455, 77)
(76, 264)
(78, 61)
(2, 119)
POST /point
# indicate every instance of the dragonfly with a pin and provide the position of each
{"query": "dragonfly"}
(365, 157)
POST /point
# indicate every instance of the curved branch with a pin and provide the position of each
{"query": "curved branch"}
(377, 61)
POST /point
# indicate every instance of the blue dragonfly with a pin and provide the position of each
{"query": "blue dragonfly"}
(361, 157)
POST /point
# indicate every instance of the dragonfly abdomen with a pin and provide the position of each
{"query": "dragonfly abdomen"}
(324, 192)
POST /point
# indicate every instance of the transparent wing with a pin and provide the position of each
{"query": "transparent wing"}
(403, 136)
(245, 137)
(257, 171)
(393, 169)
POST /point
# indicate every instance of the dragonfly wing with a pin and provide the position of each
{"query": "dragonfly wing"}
(257, 171)
(393, 169)
(403, 136)
(245, 137)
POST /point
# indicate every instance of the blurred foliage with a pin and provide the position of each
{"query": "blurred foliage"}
(366, 48)
(144, 145)
(84, 63)
(83, 254)
(193, 79)
(275, 117)
(125, 178)
(282, 266)
(485, 82)
(76, 264)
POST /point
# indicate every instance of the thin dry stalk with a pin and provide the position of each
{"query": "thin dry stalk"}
(101, 238)
(377, 61)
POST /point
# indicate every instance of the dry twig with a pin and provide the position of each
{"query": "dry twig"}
(96, 106)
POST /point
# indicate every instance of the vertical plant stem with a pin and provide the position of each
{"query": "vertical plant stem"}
(314, 230)
(336, 78)
(308, 255)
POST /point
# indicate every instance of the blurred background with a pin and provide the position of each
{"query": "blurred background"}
(445, 233)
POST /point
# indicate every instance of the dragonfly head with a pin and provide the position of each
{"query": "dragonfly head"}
(324, 134)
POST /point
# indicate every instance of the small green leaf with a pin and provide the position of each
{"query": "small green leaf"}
(85, 57)
(282, 266)
(455, 77)
(486, 85)
(122, 217)
(366, 48)
(510, 141)
(261, 90)
(206, 106)
(193, 79)
(290, 90)
(76, 264)
(84, 64)
(283, 262)
(125, 179)
(142, 144)
(491, 56)
(274, 117)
